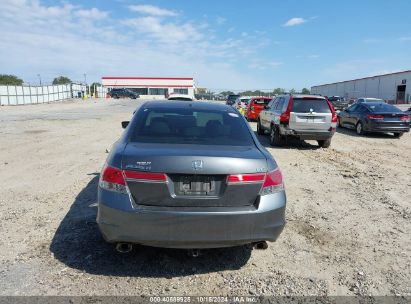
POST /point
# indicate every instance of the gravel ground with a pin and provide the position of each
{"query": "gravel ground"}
(348, 230)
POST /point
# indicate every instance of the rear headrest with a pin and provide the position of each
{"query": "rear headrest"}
(159, 125)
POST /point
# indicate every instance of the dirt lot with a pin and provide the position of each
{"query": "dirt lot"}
(348, 231)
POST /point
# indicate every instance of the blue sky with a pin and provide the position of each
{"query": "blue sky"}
(223, 44)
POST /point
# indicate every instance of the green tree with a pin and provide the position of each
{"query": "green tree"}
(226, 93)
(293, 91)
(10, 80)
(305, 91)
(61, 80)
(93, 87)
(278, 91)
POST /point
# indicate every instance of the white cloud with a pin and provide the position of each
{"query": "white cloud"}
(57, 40)
(264, 65)
(164, 31)
(220, 20)
(404, 39)
(295, 21)
(93, 13)
(152, 10)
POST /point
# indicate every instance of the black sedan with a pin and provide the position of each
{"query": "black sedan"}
(123, 93)
(408, 112)
(374, 117)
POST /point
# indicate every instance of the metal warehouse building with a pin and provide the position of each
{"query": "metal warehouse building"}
(152, 87)
(394, 87)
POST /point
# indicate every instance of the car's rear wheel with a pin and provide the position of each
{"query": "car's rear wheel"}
(398, 135)
(275, 137)
(115, 96)
(339, 123)
(260, 131)
(324, 143)
(359, 128)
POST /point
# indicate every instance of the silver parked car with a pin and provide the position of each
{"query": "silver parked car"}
(190, 175)
(301, 116)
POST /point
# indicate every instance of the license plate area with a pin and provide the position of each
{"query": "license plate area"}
(197, 185)
(310, 119)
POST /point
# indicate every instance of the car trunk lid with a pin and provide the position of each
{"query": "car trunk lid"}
(196, 175)
(310, 114)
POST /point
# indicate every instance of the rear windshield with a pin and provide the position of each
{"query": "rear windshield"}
(301, 105)
(373, 100)
(261, 101)
(233, 97)
(186, 126)
(383, 107)
(334, 98)
(180, 98)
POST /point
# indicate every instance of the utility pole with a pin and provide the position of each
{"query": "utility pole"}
(39, 76)
(85, 78)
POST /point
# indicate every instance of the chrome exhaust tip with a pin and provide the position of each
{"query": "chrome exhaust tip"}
(124, 247)
(194, 253)
(261, 245)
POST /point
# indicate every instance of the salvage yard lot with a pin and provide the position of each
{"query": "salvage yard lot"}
(348, 216)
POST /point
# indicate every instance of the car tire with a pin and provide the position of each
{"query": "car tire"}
(339, 123)
(324, 143)
(275, 137)
(260, 130)
(115, 97)
(359, 128)
(398, 135)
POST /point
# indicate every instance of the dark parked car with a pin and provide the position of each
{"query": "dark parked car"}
(190, 175)
(408, 112)
(374, 117)
(231, 99)
(338, 102)
(369, 99)
(123, 93)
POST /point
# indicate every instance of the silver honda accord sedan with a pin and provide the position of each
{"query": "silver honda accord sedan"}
(190, 175)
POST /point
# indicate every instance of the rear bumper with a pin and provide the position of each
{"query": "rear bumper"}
(307, 135)
(252, 115)
(189, 228)
(387, 129)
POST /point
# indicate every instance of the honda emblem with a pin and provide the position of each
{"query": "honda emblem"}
(197, 164)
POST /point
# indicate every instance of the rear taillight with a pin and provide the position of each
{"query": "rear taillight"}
(272, 181)
(372, 116)
(246, 178)
(112, 179)
(146, 176)
(405, 118)
(285, 117)
(334, 115)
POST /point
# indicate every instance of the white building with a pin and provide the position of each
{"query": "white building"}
(152, 87)
(394, 87)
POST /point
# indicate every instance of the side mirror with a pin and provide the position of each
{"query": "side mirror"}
(266, 107)
(124, 124)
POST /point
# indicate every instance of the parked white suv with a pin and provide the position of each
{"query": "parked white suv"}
(307, 117)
